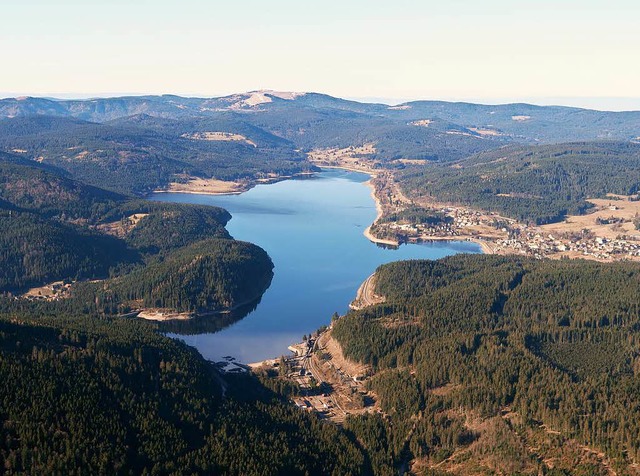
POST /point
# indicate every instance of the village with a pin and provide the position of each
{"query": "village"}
(588, 246)
(506, 236)
(55, 291)
(607, 233)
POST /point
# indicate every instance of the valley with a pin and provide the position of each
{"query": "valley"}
(338, 238)
(271, 213)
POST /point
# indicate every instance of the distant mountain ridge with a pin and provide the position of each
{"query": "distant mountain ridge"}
(519, 122)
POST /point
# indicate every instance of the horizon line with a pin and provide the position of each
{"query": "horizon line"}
(577, 102)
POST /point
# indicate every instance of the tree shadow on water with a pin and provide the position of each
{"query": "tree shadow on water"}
(209, 323)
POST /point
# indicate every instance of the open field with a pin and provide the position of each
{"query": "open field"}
(351, 158)
(207, 186)
(120, 228)
(164, 315)
(219, 136)
(49, 292)
(612, 217)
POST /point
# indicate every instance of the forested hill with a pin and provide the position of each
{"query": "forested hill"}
(539, 184)
(207, 276)
(146, 254)
(41, 237)
(82, 395)
(140, 156)
(47, 190)
(486, 363)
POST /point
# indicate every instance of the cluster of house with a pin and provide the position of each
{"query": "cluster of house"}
(539, 245)
(464, 218)
(461, 219)
(51, 292)
(518, 238)
(413, 230)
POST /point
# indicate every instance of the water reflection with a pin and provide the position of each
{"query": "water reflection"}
(313, 231)
(210, 323)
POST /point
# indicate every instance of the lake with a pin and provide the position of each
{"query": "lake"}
(313, 230)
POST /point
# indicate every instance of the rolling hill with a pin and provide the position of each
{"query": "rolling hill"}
(501, 365)
(140, 154)
(539, 184)
(57, 228)
(138, 144)
(519, 122)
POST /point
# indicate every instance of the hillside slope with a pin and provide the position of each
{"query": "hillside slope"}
(146, 254)
(495, 364)
(155, 406)
(138, 155)
(539, 184)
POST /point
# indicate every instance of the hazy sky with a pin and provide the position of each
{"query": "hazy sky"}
(449, 49)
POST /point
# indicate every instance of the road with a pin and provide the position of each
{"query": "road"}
(366, 295)
(311, 365)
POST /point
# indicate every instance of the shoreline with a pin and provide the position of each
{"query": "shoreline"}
(380, 212)
(484, 245)
(189, 316)
(487, 249)
(194, 192)
(242, 187)
(368, 172)
(366, 296)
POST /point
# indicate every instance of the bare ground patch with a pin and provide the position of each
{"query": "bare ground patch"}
(164, 315)
(122, 227)
(218, 136)
(207, 186)
(355, 157)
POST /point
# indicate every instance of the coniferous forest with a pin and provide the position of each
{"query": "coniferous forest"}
(122, 253)
(545, 353)
(84, 395)
(533, 184)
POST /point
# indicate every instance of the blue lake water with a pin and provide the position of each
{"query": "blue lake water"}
(313, 231)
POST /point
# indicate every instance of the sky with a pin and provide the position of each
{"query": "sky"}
(582, 53)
